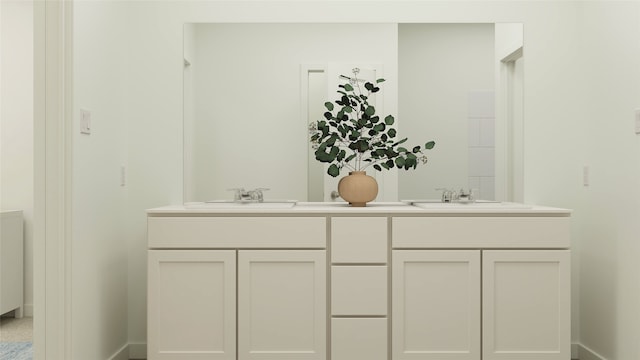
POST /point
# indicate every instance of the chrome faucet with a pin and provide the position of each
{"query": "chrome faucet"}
(466, 196)
(242, 195)
(449, 195)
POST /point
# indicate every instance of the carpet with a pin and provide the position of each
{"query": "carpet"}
(16, 351)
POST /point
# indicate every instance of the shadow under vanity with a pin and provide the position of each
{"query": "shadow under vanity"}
(394, 281)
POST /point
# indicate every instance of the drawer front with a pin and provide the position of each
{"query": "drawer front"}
(236, 232)
(359, 290)
(353, 339)
(481, 232)
(359, 240)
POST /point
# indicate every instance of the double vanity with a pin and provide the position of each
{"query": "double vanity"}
(390, 281)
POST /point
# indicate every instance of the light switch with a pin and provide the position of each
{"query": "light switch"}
(637, 121)
(85, 122)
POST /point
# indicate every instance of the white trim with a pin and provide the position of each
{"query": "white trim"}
(137, 350)
(305, 69)
(27, 310)
(122, 354)
(513, 56)
(584, 353)
(52, 178)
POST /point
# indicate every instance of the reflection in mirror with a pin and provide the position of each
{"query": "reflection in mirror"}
(250, 91)
(446, 92)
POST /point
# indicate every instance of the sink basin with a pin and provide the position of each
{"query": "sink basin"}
(378, 205)
(496, 205)
(232, 205)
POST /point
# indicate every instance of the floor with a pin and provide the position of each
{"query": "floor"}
(16, 330)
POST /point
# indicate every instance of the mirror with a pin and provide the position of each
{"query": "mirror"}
(250, 90)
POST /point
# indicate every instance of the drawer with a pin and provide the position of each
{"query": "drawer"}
(481, 232)
(359, 339)
(359, 290)
(237, 232)
(359, 240)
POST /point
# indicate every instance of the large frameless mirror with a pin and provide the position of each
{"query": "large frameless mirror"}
(251, 89)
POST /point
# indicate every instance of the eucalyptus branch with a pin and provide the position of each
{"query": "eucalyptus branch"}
(352, 136)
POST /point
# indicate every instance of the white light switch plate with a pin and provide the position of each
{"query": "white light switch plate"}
(85, 122)
(638, 121)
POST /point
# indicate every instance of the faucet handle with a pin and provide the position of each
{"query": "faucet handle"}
(447, 194)
(238, 193)
(468, 196)
(257, 194)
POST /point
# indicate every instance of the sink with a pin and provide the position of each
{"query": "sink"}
(480, 204)
(379, 205)
(232, 205)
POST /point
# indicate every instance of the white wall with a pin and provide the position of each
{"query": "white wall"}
(609, 247)
(16, 126)
(581, 86)
(99, 239)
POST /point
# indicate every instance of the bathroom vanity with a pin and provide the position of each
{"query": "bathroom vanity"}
(390, 281)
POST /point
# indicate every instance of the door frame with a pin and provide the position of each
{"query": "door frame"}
(53, 120)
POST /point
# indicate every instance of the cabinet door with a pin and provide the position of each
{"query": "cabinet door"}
(436, 305)
(192, 305)
(282, 305)
(359, 339)
(526, 305)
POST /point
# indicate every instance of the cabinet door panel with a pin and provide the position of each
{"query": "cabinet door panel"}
(526, 297)
(436, 305)
(282, 305)
(192, 306)
(359, 338)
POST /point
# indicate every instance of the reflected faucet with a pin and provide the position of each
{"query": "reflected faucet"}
(242, 195)
(449, 195)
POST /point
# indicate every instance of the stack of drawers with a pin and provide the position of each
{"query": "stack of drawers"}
(359, 282)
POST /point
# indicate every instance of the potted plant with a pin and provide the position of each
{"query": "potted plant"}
(352, 136)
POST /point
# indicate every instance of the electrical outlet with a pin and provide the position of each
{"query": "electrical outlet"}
(585, 175)
(123, 175)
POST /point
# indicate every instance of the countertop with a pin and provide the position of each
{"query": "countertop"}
(401, 208)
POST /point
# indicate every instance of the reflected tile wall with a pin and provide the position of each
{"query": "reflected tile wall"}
(481, 120)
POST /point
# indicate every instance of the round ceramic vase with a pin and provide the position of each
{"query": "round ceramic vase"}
(358, 188)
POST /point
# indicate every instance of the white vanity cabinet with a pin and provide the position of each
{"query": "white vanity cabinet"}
(191, 304)
(359, 283)
(331, 282)
(436, 304)
(281, 304)
(231, 293)
(490, 292)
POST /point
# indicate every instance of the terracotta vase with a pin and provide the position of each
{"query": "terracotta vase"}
(358, 188)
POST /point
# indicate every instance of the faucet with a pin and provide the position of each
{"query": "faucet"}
(466, 197)
(242, 195)
(449, 195)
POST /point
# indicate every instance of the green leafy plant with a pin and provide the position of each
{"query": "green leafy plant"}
(352, 136)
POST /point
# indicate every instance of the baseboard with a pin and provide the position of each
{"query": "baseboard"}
(584, 353)
(122, 354)
(138, 351)
(27, 310)
(574, 350)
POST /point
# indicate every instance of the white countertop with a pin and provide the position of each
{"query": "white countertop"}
(373, 208)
